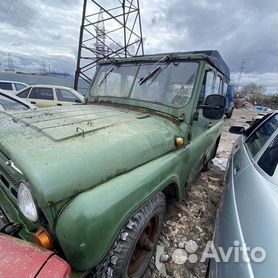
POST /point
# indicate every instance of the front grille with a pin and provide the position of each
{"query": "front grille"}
(7, 181)
(4, 222)
(4, 173)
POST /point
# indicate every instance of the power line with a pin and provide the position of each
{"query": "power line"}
(33, 20)
(7, 11)
(24, 26)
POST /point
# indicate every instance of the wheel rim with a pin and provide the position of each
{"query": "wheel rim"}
(144, 247)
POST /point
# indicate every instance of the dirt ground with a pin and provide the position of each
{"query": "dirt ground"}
(189, 224)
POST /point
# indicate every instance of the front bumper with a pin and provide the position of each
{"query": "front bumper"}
(22, 259)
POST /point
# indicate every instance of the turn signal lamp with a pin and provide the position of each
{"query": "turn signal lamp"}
(179, 141)
(43, 239)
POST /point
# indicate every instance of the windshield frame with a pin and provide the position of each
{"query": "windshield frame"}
(15, 100)
(164, 108)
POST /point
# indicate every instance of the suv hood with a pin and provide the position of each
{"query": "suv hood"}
(62, 152)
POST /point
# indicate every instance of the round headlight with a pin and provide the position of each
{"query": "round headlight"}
(26, 203)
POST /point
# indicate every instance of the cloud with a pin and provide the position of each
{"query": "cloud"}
(240, 30)
(44, 29)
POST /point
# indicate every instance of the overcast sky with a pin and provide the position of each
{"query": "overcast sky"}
(242, 30)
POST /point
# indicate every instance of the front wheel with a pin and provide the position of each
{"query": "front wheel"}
(132, 251)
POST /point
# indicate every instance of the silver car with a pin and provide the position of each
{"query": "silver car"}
(12, 102)
(245, 240)
(12, 86)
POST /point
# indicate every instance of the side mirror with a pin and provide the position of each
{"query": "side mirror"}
(237, 129)
(214, 107)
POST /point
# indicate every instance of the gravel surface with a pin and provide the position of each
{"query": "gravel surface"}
(190, 223)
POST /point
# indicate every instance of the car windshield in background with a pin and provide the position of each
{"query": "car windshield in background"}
(166, 83)
(9, 104)
(257, 140)
(269, 160)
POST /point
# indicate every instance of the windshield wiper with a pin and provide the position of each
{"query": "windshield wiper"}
(158, 72)
(149, 75)
(154, 73)
(105, 76)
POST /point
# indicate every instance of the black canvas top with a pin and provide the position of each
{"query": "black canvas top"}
(213, 56)
(216, 59)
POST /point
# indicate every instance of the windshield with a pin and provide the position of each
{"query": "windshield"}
(166, 83)
(7, 103)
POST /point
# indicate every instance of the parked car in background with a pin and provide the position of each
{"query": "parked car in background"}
(12, 102)
(49, 95)
(248, 212)
(230, 101)
(12, 86)
(19, 258)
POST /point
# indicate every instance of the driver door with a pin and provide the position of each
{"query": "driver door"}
(202, 128)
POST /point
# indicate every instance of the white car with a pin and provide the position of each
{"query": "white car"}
(49, 95)
(11, 102)
(12, 86)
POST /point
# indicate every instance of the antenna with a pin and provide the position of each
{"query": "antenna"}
(113, 31)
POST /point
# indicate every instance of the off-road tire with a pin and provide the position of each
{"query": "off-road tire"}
(118, 262)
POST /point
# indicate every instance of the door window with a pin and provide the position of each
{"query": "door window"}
(42, 93)
(65, 95)
(225, 89)
(216, 87)
(207, 86)
(260, 136)
(19, 86)
(209, 83)
(6, 86)
(269, 159)
(24, 94)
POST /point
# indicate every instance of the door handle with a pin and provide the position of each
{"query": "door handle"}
(59, 104)
(33, 102)
(209, 125)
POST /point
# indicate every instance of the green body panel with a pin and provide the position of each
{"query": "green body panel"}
(107, 213)
(110, 135)
(92, 166)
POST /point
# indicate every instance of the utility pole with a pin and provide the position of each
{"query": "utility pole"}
(107, 32)
(43, 67)
(10, 63)
(100, 34)
(240, 73)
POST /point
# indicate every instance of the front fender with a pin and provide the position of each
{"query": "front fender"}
(90, 223)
